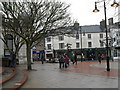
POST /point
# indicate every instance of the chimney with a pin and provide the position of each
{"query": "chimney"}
(110, 21)
(102, 25)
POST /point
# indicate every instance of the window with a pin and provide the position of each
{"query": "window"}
(77, 36)
(83, 33)
(9, 39)
(9, 43)
(48, 39)
(89, 36)
(77, 45)
(101, 44)
(89, 44)
(119, 33)
(61, 45)
(101, 35)
(61, 38)
(115, 53)
(49, 46)
(114, 39)
(118, 42)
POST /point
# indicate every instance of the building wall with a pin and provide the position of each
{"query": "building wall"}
(1, 46)
(22, 53)
(115, 34)
(95, 37)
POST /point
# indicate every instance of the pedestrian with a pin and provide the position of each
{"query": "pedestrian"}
(83, 57)
(66, 60)
(61, 61)
(99, 58)
(112, 58)
(75, 58)
(12, 60)
(42, 58)
(72, 58)
(92, 56)
(102, 56)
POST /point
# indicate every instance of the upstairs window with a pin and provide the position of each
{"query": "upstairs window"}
(77, 45)
(101, 44)
(101, 35)
(89, 44)
(49, 46)
(61, 38)
(89, 36)
(61, 45)
(48, 39)
(77, 36)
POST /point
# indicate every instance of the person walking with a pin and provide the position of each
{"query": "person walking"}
(99, 58)
(102, 56)
(61, 61)
(12, 60)
(75, 58)
(42, 58)
(66, 60)
(72, 58)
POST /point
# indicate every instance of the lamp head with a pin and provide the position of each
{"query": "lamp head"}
(115, 4)
(96, 10)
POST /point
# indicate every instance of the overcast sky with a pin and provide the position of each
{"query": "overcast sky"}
(81, 10)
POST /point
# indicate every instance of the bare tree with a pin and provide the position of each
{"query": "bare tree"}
(35, 20)
(17, 41)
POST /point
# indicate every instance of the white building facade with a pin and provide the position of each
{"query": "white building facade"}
(87, 42)
(115, 34)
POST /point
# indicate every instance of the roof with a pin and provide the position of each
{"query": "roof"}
(86, 29)
(91, 28)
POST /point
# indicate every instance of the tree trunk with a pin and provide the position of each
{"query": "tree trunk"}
(29, 67)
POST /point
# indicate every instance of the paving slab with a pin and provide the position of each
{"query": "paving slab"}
(48, 75)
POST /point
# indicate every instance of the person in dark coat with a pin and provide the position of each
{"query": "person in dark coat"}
(102, 56)
(12, 60)
(72, 58)
(66, 60)
(42, 58)
(61, 61)
(75, 58)
(99, 58)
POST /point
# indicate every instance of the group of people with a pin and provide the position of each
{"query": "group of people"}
(100, 57)
(64, 60)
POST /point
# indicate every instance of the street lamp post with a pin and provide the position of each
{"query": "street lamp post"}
(107, 48)
(76, 27)
(81, 42)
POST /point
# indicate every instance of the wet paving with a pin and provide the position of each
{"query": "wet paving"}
(49, 75)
